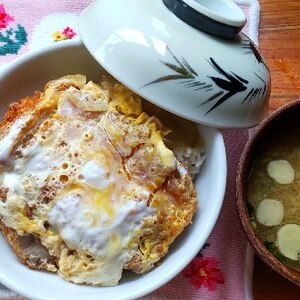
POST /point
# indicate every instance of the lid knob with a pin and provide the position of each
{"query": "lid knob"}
(221, 18)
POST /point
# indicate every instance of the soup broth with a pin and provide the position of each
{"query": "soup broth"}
(273, 194)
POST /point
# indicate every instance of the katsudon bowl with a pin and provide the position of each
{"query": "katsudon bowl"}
(30, 73)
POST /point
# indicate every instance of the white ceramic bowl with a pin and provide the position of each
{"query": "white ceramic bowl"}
(186, 56)
(29, 73)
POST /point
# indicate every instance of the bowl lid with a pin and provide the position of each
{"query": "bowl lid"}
(186, 56)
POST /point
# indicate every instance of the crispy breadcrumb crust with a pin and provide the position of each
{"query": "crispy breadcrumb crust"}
(18, 109)
(18, 243)
(23, 246)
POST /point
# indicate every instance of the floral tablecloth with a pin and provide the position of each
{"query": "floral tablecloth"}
(223, 268)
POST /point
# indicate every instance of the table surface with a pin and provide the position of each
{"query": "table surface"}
(280, 45)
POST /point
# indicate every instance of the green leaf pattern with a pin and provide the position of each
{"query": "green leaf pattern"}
(12, 38)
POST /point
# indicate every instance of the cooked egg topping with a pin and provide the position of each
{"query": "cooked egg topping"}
(101, 229)
(85, 172)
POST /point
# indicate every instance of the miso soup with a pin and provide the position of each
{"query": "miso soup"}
(273, 194)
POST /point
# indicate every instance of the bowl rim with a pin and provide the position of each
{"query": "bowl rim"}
(218, 143)
(242, 173)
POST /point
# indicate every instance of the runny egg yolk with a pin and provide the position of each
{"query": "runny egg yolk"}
(73, 214)
(102, 202)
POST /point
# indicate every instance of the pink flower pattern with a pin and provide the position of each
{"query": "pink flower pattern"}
(12, 36)
(4, 17)
(204, 272)
(67, 34)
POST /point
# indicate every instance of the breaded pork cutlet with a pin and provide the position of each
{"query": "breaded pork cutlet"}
(88, 186)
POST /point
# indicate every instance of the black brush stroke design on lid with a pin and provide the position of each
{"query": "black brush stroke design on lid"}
(224, 87)
(183, 72)
(252, 49)
(230, 83)
(234, 84)
(253, 93)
